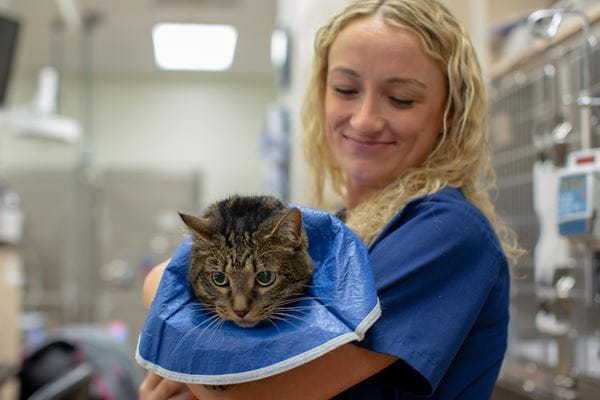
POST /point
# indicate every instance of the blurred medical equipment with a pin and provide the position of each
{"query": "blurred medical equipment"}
(78, 362)
(11, 216)
(275, 151)
(40, 119)
(545, 124)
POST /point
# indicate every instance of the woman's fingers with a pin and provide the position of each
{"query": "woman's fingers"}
(155, 387)
(150, 381)
(185, 395)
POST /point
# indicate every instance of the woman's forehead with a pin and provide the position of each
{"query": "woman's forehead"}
(370, 45)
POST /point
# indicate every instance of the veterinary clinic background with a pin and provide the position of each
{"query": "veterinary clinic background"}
(108, 129)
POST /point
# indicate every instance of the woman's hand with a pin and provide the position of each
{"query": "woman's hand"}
(155, 387)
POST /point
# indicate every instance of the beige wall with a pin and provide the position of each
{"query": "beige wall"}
(164, 123)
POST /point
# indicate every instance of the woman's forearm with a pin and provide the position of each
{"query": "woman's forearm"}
(321, 378)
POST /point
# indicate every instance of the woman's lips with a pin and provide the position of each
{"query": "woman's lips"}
(369, 143)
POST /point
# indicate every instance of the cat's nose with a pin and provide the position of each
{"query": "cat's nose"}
(241, 313)
(240, 305)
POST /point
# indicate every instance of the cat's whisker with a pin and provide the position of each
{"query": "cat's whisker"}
(216, 328)
(206, 321)
(284, 303)
(289, 315)
(201, 308)
(197, 303)
(307, 286)
(298, 307)
(319, 298)
(211, 319)
(213, 326)
(200, 305)
(297, 310)
(291, 308)
(307, 297)
(286, 321)
(286, 313)
(291, 301)
(207, 312)
(273, 323)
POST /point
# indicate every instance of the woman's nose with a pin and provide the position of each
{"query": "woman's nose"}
(367, 118)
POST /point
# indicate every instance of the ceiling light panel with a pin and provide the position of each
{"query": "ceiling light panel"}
(194, 47)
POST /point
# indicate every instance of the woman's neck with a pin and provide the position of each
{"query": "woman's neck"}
(357, 194)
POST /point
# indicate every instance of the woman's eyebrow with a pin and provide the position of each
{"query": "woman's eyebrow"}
(406, 81)
(344, 71)
(403, 81)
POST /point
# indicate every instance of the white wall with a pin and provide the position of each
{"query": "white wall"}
(162, 123)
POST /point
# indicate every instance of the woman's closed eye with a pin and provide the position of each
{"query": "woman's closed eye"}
(401, 102)
(397, 101)
(345, 91)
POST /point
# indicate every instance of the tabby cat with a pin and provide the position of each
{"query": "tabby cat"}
(249, 255)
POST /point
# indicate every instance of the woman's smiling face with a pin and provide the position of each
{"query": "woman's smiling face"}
(384, 103)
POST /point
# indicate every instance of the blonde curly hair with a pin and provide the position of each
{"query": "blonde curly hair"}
(461, 157)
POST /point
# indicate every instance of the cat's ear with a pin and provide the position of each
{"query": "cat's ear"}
(289, 227)
(202, 227)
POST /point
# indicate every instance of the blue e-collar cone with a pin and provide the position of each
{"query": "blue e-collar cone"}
(181, 342)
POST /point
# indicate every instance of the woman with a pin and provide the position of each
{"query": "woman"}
(395, 121)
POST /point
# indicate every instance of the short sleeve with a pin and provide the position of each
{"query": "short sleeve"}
(434, 265)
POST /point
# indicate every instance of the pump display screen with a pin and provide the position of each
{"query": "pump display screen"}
(573, 196)
(578, 202)
(573, 183)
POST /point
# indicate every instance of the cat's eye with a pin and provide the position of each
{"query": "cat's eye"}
(265, 278)
(219, 279)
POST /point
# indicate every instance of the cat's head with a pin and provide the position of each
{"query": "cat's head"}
(249, 257)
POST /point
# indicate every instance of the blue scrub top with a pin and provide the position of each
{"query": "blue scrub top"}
(443, 283)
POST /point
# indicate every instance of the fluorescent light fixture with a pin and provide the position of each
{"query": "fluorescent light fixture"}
(194, 47)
